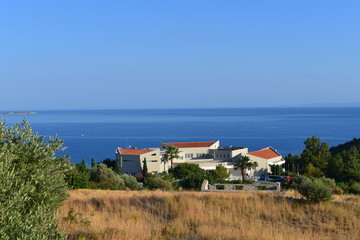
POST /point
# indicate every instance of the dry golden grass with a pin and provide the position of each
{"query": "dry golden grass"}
(197, 215)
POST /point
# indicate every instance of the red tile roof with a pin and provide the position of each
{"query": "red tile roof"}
(191, 144)
(133, 151)
(266, 153)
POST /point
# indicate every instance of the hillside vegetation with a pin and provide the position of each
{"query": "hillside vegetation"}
(105, 214)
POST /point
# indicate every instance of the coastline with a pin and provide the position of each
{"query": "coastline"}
(17, 113)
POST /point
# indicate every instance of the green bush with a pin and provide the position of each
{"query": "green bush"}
(313, 190)
(328, 182)
(355, 188)
(220, 174)
(77, 178)
(337, 191)
(105, 178)
(130, 182)
(184, 170)
(154, 182)
(194, 182)
(32, 185)
(344, 186)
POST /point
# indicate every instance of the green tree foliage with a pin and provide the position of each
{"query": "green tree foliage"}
(292, 163)
(117, 168)
(112, 164)
(191, 176)
(313, 172)
(170, 154)
(243, 164)
(32, 185)
(78, 177)
(313, 190)
(220, 174)
(145, 168)
(92, 162)
(355, 142)
(184, 170)
(317, 153)
(193, 182)
(336, 168)
(154, 182)
(351, 160)
(105, 178)
(276, 169)
(130, 182)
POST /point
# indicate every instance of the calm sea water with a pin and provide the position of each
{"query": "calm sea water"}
(97, 133)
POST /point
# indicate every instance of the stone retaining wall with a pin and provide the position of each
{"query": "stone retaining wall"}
(259, 186)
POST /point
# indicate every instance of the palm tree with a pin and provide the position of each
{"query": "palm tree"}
(244, 163)
(170, 154)
(164, 161)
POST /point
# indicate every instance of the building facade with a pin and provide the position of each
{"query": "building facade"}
(206, 154)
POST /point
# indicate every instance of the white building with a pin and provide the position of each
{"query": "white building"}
(206, 154)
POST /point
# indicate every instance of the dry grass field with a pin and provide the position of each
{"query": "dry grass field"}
(100, 214)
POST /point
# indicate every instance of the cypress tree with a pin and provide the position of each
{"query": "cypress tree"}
(117, 168)
(145, 168)
(92, 162)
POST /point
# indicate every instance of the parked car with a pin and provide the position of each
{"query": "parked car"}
(278, 179)
(281, 179)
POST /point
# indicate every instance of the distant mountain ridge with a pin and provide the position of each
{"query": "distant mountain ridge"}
(22, 112)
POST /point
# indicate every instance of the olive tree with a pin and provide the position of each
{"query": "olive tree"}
(32, 185)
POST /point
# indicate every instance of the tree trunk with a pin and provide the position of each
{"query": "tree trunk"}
(243, 173)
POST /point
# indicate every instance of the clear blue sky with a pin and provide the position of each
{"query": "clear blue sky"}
(164, 54)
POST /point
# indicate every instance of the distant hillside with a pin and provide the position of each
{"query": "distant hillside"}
(346, 146)
(13, 113)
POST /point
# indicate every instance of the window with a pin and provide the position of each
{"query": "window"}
(181, 158)
(153, 160)
(189, 155)
(154, 154)
(200, 155)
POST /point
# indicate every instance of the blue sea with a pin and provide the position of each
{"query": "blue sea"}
(97, 133)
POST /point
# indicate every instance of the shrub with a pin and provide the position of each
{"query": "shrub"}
(194, 182)
(32, 185)
(139, 177)
(130, 182)
(77, 178)
(184, 170)
(220, 174)
(344, 186)
(337, 191)
(105, 178)
(154, 182)
(313, 190)
(328, 182)
(355, 188)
